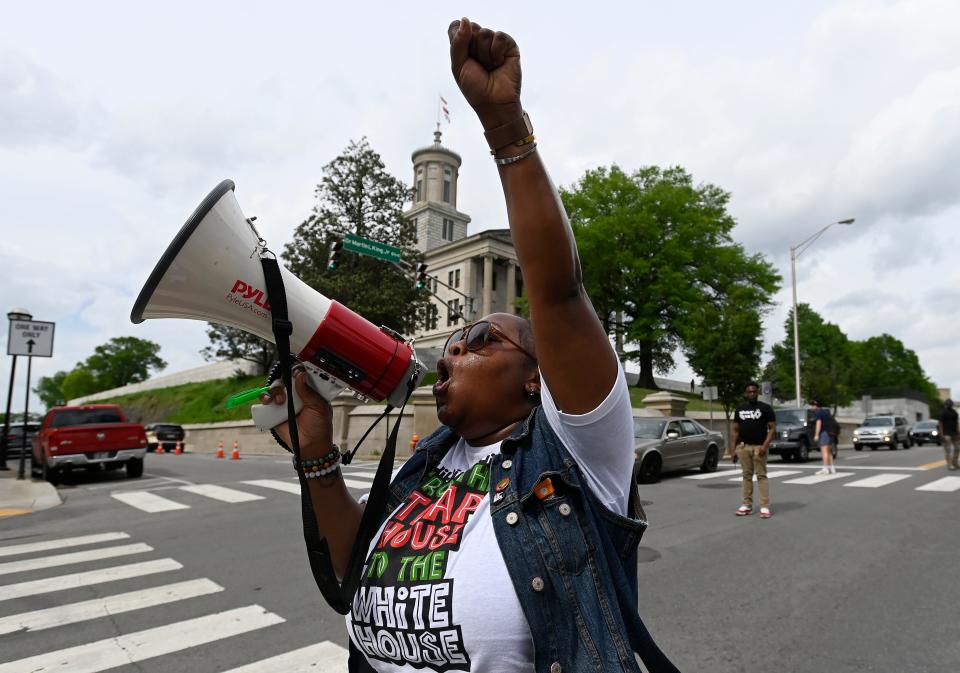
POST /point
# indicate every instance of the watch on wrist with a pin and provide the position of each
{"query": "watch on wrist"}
(512, 132)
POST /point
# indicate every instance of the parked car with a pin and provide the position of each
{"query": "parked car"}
(796, 435)
(889, 431)
(95, 436)
(165, 434)
(15, 442)
(673, 443)
(925, 431)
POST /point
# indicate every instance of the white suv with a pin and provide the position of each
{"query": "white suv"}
(882, 431)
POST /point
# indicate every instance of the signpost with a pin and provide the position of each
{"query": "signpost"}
(364, 246)
(710, 393)
(32, 338)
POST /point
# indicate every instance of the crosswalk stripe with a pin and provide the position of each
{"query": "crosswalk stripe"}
(148, 502)
(945, 485)
(104, 607)
(713, 475)
(286, 486)
(73, 557)
(133, 647)
(61, 543)
(773, 474)
(356, 483)
(878, 480)
(221, 493)
(325, 657)
(819, 478)
(87, 578)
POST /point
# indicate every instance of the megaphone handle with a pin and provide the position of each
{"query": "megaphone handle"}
(268, 416)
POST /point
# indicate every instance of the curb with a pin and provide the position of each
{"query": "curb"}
(26, 496)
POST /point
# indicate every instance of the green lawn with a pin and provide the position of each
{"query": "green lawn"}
(697, 403)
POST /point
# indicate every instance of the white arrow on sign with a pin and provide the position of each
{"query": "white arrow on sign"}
(31, 337)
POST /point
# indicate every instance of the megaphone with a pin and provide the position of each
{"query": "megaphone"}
(211, 271)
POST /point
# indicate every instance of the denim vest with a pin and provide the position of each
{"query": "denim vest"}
(572, 561)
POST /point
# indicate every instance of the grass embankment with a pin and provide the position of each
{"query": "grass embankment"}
(697, 403)
(203, 402)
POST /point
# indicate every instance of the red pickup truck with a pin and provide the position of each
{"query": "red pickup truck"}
(95, 436)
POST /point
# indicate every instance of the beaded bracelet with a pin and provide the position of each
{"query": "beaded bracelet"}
(320, 467)
(505, 161)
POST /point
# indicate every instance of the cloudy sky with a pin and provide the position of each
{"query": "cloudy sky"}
(116, 118)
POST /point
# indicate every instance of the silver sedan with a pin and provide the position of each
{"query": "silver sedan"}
(673, 443)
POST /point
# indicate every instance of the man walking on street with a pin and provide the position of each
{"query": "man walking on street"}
(754, 425)
(950, 435)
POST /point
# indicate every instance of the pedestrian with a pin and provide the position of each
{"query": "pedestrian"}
(510, 541)
(754, 425)
(950, 434)
(821, 433)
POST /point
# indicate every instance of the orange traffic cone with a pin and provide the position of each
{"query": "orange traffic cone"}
(177, 451)
(159, 448)
(220, 450)
(413, 442)
(236, 451)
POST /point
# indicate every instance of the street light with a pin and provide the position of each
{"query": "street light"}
(15, 314)
(795, 252)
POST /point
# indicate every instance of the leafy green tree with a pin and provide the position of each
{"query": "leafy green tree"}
(723, 343)
(657, 247)
(883, 365)
(50, 389)
(357, 195)
(235, 344)
(825, 361)
(78, 383)
(123, 360)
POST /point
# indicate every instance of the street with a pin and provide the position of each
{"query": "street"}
(855, 572)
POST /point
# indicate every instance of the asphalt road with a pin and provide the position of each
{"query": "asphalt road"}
(842, 578)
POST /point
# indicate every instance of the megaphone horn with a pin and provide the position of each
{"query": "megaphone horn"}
(211, 271)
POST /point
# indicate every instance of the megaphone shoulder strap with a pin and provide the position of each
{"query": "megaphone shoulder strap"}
(338, 595)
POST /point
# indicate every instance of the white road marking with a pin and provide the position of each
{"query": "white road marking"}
(133, 647)
(945, 485)
(61, 543)
(819, 478)
(325, 657)
(221, 493)
(773, 474)
(713, 475)
(64, 582)
(148, 502)
(286, 486)
(878, 481)
(356, 483)
(73, 557)
(104, 607)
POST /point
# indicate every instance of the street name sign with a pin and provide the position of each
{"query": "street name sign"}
(364, 246)
(30, 337)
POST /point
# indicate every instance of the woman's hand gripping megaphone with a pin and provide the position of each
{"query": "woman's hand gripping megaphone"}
(270, 415)
(314, 414)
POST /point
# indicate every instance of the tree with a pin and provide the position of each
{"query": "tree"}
(233, 343)
(123, 360)
(723, 343)
(884, 365)
(356, 195)
(79, 382)
(657, 248)
(825, 361)
(50, 390)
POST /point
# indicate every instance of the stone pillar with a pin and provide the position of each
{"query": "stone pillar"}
(470, 289)
(511, 286)
(667, 403)
(425, 419)
(342, 406)
(487, 284)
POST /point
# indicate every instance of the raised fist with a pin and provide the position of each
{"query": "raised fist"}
(486, 67)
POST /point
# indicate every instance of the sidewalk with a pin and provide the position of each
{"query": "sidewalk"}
(26, 496)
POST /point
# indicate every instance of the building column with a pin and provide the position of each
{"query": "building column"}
(487, 284)
(511, 286)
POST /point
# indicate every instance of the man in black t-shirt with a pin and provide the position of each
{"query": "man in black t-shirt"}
(950, 434)
(754, 425)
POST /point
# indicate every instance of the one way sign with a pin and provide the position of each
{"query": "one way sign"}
(30, 337)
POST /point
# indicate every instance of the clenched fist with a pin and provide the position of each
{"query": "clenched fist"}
(486, 67)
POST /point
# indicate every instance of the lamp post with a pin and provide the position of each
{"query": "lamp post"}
(795, 252)
(15, 314)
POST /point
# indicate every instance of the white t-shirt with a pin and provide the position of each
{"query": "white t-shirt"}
(436, 594)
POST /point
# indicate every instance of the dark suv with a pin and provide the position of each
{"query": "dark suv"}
(15, 443)
(163, 434)
(795, 438)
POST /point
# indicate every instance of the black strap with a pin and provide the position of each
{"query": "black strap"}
(338, 595)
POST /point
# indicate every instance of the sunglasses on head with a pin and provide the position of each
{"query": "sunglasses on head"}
(477, 335)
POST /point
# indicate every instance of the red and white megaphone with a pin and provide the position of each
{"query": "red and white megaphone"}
(211, 271)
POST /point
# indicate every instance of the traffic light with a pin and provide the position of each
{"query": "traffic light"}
(334, 261)
(421, 276)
